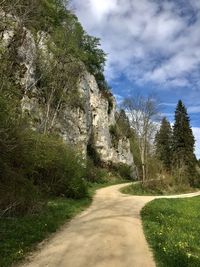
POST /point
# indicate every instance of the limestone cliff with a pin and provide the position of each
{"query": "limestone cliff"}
(77, 125)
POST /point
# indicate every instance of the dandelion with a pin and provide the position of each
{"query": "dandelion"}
(189, 255)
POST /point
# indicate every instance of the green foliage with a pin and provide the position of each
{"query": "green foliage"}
(121, 129)
(15, 196)
(62, 26)
(92, 153)
(96, 174)
(183, 139)
(19, 196)
(123, 124)
(155, 168)
(140, 189)
(123, 170)
(45, 165)
(183, 143)
(172, 230)
(175, 149)
(163, 142)
(20, 235)
(157, 187)
(55, 167)
(94, 58)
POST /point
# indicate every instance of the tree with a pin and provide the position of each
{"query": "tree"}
(142, 112)
(183, 142)
(123, 124)
(163, 142)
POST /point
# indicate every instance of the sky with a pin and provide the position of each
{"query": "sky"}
(153, 47)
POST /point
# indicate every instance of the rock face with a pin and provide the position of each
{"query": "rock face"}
(102, 117)
(78, 126)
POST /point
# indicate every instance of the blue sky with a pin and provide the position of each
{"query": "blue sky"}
(153, 46)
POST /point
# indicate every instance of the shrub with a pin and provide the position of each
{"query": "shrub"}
(157, 186)
(95, 174)
(92, 153)
(154, 168)
(124, 170)
(32, 165)
(19, 196)
(55, 167)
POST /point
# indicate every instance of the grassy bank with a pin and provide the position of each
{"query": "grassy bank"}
(19, 235)
(156, 188)
(172, 229)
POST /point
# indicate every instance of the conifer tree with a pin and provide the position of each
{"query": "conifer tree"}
(183, 142)
(163, 142)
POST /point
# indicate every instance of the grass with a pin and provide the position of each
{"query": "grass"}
(20, 235)
(136, 189)
(155, 189)
(172, 229)
(95, 186)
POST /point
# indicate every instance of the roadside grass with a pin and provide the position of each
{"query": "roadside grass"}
(172, 229)
(20, 235)
(92, 187)
(137, 189)
(156, 189)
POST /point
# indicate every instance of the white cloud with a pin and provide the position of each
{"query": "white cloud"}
(101, 8)
(194, 109)
(150, 41)
(168, 104)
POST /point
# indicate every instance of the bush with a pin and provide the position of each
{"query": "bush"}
(19, 197)
(154, 168)
(33, 165)
(92, 153)
(157, 186)
(125, 171)
(55, 167)
(96, 174)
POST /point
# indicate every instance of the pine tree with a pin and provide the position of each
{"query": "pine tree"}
(183, 142)
(163, 142)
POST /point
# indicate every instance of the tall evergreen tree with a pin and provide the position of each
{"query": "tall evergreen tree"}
(183, 142)
(163, 142)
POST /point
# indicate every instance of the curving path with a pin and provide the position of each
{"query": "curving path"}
(108, 234)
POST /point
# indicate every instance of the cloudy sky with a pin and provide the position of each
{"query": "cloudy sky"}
(153, 46)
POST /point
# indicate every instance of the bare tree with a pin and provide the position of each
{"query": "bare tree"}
(142, 113)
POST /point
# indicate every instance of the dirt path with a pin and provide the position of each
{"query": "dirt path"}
(108, 234)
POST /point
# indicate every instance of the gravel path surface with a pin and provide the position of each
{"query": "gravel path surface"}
(108, 234)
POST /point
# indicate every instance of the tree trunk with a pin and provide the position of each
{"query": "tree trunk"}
(143, 164)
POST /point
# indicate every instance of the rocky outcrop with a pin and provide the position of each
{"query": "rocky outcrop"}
(77, 125)
(103, 116)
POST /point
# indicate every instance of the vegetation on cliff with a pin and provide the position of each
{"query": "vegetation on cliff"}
(35, 165)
